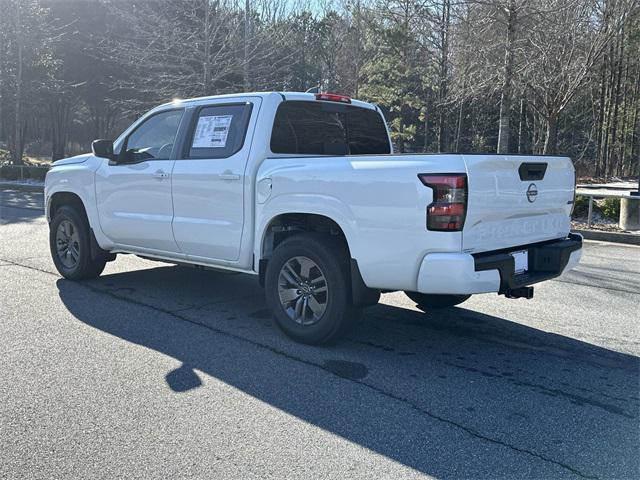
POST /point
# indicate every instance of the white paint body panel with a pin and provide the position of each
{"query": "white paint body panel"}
(135, 206)
(500, 215)
(208, 199)
(454, 273)
(378, 201)
(74, 175)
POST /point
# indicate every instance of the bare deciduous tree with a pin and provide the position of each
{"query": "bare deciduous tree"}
(469, 75)
(563, 50)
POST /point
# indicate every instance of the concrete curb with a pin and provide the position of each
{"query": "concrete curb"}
(616, 237)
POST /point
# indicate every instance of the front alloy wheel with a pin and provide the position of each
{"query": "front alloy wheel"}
(70, 245)
(67, 244)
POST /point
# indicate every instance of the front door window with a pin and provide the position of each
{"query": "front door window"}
(154, 138)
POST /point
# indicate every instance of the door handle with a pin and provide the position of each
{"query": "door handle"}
(160, 174)
(227, 175)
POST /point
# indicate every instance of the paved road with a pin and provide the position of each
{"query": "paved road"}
(169, 372)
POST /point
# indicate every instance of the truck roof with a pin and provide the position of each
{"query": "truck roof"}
(286, 96)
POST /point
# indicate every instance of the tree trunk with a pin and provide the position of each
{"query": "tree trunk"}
(2, 82)
(600, 123)
(401, 136)
(59, 110)
(358, 53)
(635, 128)
(426, 131)
(459, 129)
(625, 106)
(608, 112)
(206, 63)
(521, 126)
(18, 141)
(616, 103)
(551, 140)
(245, 63)
(97, 123)
(444, 73)
(507, 81)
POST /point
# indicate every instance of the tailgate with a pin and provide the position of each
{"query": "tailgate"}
(516, 200)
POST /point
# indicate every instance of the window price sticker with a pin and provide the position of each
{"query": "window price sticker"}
(212, 132)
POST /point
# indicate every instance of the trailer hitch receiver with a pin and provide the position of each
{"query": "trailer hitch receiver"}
(521, 292)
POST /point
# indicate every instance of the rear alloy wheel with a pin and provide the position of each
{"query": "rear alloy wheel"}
(428, 301)
(302, 289)
(70, 245)
(307, 287)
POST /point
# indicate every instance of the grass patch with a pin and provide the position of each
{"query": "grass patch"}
(610, 208)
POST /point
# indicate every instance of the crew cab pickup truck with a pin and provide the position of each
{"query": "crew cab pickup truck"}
(304, 191)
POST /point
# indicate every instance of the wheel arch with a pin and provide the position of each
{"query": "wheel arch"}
(61, 198)
(285, 225)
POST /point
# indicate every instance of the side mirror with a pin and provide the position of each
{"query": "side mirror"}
(102, 148)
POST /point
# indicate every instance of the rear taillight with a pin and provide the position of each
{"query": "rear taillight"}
(449, 207)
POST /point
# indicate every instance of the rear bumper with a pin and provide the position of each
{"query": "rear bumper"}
(462, 273)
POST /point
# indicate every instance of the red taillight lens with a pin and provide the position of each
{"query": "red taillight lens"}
(449, 207)
(333, 97)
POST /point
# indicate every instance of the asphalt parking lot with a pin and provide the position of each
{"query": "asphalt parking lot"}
(159, 371)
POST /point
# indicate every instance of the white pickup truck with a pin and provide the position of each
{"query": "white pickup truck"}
(304, 191)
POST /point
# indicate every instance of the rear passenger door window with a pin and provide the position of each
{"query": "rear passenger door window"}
(218, 131)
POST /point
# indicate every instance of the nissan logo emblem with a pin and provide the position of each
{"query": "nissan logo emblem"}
(532, 193)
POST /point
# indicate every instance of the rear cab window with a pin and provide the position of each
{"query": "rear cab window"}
(324, 128)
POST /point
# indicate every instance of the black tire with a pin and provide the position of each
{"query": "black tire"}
(84, 266)
(331, 261)
(427, 301)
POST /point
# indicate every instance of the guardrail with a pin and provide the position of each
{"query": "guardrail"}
(629, 206)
